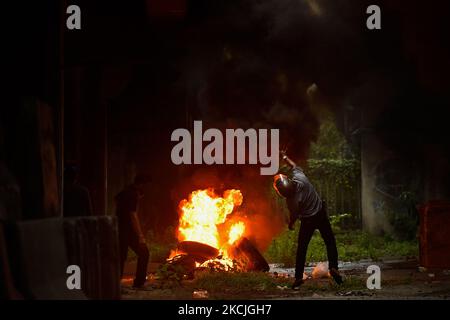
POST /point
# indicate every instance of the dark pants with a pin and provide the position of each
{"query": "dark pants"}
(308, 226)
(130, 240)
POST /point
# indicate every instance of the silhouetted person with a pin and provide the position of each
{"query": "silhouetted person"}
(130, 232)
(77, 201)
(305, 204)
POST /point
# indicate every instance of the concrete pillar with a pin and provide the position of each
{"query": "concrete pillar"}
(374, 203)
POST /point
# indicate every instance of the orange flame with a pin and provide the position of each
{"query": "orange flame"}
(236, 231)
(204, 211)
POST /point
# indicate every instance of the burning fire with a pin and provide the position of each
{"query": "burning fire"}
(204, 219)
(213, 235)
(236, 231)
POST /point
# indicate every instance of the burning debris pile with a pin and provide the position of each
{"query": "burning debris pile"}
(212, 237)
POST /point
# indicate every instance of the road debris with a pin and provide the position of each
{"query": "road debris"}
(200, 294)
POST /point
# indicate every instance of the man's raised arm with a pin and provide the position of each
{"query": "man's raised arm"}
(288, 160)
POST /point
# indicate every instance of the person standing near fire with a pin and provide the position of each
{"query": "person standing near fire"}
(304, 203)
(131, 236)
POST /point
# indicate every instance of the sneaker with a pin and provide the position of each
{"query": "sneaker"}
(297, 284)
(336, 276)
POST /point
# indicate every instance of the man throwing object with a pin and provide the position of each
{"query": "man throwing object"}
(305, 204)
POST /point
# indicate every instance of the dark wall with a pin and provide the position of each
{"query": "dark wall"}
(29, 115)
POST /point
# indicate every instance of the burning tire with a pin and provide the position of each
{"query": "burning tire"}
(197, 249)
(253, 259)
